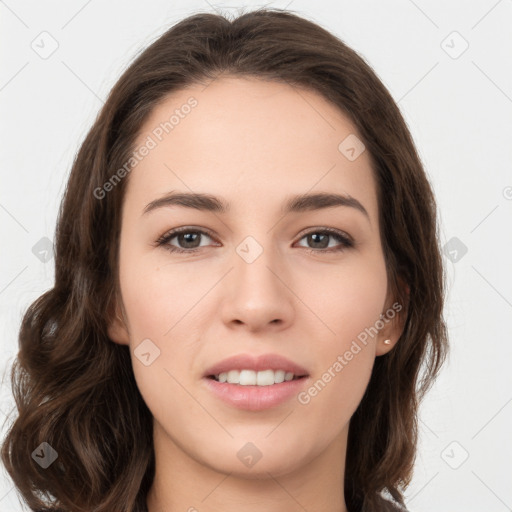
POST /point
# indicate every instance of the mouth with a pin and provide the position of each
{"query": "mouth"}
(255, 382)
(247, 377)
(255, 370)
(255, 391)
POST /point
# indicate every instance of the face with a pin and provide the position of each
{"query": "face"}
(256, 278)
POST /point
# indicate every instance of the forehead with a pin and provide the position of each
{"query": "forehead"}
(250, 138)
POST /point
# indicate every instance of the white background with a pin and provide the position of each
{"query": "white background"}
(459, 111)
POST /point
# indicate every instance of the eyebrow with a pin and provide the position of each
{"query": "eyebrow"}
(294, 204)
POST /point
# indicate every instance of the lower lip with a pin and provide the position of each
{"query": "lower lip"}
(255, 398)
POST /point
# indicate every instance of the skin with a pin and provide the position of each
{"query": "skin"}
(253, 143)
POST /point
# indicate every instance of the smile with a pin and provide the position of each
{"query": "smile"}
(254, 378)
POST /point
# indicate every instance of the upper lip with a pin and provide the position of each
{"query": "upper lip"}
(256, 363)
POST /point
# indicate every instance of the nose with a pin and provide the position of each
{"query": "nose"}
(258, 294)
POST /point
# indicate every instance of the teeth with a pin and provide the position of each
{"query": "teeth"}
(248, 378)
(252, 378)
(279, 376)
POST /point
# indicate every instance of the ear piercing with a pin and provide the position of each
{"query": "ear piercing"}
(387, 342)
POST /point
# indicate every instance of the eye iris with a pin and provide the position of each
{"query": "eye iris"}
(316, 235)
(186, 236)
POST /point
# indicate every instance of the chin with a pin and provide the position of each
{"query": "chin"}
(250, 462)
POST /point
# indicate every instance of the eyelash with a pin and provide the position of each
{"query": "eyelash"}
(345, 240)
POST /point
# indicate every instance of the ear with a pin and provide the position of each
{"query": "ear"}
(393, 317)
(117, 329)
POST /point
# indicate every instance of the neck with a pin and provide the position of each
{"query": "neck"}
(183, 483)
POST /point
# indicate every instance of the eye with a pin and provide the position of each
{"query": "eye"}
(186, 236)
(320, 239)
(189, 240)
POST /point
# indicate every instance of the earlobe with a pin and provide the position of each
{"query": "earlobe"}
(384, 346)
(393, 318)
(117, 330)
(391, 331)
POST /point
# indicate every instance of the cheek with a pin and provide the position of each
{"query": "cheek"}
(160, 309)
(163, 306)
(352, 304)
(157, 297)
(351, 299)
(158, 305)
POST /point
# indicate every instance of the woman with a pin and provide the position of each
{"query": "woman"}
(248, 292)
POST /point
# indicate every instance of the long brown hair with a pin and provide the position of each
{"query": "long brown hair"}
(75, 389)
